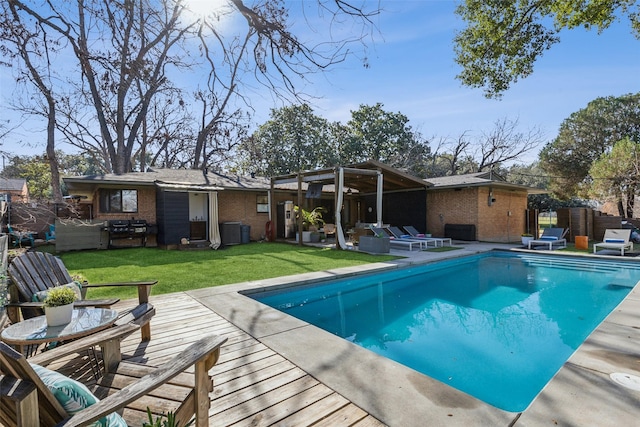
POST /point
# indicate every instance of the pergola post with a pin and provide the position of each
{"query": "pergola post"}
(379, 198)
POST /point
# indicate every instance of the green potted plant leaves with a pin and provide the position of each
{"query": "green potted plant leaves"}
(58, 305)
(311, 221)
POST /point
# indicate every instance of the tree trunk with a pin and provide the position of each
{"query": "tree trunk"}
(620, 208)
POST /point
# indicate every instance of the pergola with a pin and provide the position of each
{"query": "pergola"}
(370, 177)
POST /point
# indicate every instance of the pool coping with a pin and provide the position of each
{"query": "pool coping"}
(400, 396)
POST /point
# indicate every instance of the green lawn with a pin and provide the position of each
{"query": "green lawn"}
(183, 270)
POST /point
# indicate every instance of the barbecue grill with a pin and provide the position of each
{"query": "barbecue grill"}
(120, 229)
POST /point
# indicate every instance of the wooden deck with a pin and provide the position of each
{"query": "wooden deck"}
(253, 385)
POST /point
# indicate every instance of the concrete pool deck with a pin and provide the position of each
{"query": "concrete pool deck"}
(581, 393)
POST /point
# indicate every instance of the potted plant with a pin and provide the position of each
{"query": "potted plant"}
(526, 238)
(58, 306)
(311, 221)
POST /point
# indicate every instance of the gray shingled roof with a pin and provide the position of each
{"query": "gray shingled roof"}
(470, 179)
(187, 177)
(12, 184)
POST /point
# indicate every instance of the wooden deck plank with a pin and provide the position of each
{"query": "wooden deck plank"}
(259, 401)
(347, 415)
(321, 410)
(317, 406)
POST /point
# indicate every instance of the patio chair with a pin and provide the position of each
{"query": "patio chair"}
(20, 237)
(398, 234)
(617, 239)
(33, 273)
(551, 237)
(398, 243)
(51, 234)
(414, 233)
(329, 229)
(126, 389)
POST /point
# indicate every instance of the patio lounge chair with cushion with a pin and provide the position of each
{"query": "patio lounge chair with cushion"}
(413, 232)
(617, 239)
(551, 237)
(398, 243)
(33, 273)
(398, 234)
(33, 395)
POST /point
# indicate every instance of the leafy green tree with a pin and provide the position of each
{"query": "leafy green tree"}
(616, 176)
(584, 137)
(376, 134)
(503, 39)
(35, 170)
(293, 139)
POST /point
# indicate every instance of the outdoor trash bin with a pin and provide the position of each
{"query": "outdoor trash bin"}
(246, 233)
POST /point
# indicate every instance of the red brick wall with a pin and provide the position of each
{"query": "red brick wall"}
(503, 221)
(470, 206)
(451, 207)
(242, 206)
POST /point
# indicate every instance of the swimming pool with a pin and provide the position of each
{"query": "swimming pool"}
(497, 326)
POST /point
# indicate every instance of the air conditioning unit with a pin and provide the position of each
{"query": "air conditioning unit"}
(231, 233)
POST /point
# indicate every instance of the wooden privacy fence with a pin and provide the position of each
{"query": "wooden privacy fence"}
(589, 222)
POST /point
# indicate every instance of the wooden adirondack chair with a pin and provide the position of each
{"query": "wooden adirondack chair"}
(128, 388)
(38, 271)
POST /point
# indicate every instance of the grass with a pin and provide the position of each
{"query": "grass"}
(442, 249)
(184, 270)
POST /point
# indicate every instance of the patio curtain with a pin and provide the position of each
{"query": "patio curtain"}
(339, 200)
(214, 231)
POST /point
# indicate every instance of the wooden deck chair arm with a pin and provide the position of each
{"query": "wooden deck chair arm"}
(144, 287)
(139, 315)
(203, 353)
(103, 338)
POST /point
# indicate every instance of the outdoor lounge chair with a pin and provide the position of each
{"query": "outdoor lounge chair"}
(126, 388)
(36, 272)
(398, 234)
(617, 239)
(413, 232)
(398, 243)
(551, 237)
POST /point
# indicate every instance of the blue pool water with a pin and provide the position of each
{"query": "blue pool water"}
(497, 326)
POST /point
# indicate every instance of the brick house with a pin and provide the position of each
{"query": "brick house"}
(14, 190)
(185, 204)
(177, 203)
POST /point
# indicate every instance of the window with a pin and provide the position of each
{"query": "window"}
(114, 201)
(262, 203)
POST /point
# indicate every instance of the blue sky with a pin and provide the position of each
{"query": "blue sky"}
(412, 71)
